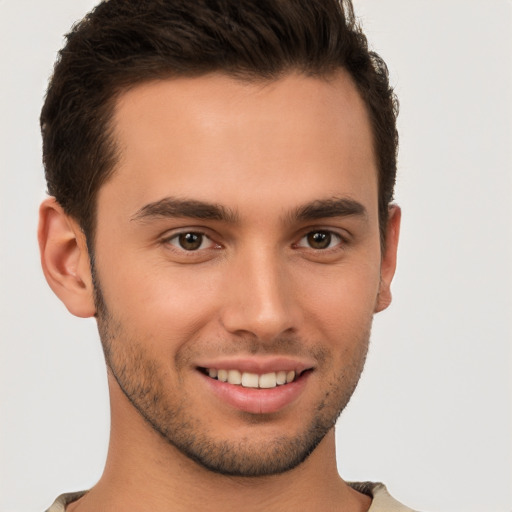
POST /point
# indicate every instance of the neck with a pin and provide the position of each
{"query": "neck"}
(144, 472)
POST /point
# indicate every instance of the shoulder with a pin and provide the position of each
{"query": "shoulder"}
(59, 505)
(382, 501)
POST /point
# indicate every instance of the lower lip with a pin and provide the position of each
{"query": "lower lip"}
(257, 400)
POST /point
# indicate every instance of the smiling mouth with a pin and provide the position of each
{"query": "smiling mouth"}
(252, 380)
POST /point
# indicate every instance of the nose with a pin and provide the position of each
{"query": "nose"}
(259, 298)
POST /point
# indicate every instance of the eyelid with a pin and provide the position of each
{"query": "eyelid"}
(341, 234)
(342, 239)
(174, 234)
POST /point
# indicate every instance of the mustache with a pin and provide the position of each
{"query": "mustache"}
(287, 346)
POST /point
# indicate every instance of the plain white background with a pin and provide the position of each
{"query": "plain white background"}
(432, 417)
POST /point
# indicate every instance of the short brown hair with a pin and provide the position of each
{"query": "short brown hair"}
(122, 43)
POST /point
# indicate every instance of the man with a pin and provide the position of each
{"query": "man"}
(221, 177)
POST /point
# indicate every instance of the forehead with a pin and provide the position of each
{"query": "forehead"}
(217, 138)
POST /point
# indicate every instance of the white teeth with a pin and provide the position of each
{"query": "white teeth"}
(280, 378)
(252, 380)
(234, 377)
(267, 380)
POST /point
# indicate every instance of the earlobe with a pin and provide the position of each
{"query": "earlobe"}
(65, 259)
(388, 264)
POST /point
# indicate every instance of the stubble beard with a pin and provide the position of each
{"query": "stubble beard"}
(142, 380)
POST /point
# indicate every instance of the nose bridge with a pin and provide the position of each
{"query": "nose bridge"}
(260, 296)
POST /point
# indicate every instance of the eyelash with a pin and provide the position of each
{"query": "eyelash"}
(329, 236)
(203, 238)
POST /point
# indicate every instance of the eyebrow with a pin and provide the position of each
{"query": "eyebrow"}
(190, 208)
(194, 209)
(328, 208)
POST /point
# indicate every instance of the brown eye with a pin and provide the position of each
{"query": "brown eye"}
(190, 241)
(320, 240)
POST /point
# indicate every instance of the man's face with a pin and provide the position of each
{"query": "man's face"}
(238, 239)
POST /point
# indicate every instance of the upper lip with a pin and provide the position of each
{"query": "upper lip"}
(259, 365)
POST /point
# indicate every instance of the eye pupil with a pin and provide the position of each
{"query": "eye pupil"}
(191, 241)
(319, 239)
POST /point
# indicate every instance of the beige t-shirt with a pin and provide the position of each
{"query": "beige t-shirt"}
(381, 499)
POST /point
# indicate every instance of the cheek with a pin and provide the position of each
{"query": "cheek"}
(161, 302)
(343, 299)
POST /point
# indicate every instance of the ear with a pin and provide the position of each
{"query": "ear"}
(65, 259)
(388, 263)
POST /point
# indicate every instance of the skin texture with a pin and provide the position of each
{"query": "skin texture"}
(287, 266)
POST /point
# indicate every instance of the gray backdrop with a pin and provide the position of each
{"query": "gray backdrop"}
(432, 416)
